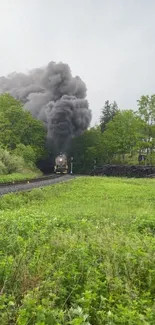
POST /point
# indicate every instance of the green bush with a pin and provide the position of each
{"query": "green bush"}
(27, 152)
(10, 163)
(19, 126)
(150, 159)
(16, 164)
(3, 169)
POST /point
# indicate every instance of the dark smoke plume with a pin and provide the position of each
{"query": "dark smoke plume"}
(54, 96)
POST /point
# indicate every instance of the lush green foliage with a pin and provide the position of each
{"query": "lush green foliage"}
(22, 139)
(120, 138)
(10, 163)
(86, 147)
(124, 133)
(18, 126)
(25, 175)
(27, 152)
(80, 253)
(146, 110)
(14, 167)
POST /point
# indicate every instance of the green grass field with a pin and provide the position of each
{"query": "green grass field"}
(19, 176)
(80, 253)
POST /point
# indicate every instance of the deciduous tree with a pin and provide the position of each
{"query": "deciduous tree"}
(123, 134)
(18, 126)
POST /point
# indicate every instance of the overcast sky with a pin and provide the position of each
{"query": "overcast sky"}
(110, 44)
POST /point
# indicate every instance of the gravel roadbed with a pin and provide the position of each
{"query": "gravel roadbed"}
(26, 187)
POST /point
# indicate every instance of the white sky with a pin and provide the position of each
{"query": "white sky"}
(110, 44)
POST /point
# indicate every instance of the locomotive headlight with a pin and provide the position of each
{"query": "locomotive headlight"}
(60, 159)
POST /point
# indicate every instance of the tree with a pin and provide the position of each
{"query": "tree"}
(86, 148)
(146, 110)
(107, 114)
(123, 135)
(18, 126)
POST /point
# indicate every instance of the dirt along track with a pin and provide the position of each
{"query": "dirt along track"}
(28, 185)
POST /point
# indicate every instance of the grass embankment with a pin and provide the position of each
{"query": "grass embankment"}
(19, 176)
(79, 253)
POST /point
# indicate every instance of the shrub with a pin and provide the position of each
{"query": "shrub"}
(27, 152)
(3, 169)
(10, 163)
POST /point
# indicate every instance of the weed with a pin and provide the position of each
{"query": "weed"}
(79, 253)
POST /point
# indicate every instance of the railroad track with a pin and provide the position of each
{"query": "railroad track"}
(32, 180)
(27, 185)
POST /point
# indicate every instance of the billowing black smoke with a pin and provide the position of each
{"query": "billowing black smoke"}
(52, 95)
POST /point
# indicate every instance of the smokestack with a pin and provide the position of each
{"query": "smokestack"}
(55, 97)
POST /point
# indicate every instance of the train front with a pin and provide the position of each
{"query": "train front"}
(61, 165)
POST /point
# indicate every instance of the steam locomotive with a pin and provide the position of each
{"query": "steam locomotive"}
(61, 165)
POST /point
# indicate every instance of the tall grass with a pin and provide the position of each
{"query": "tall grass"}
(80, 253)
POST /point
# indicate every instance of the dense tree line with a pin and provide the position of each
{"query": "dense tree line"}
(22, 137)
(120, 138)
(123, 137)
